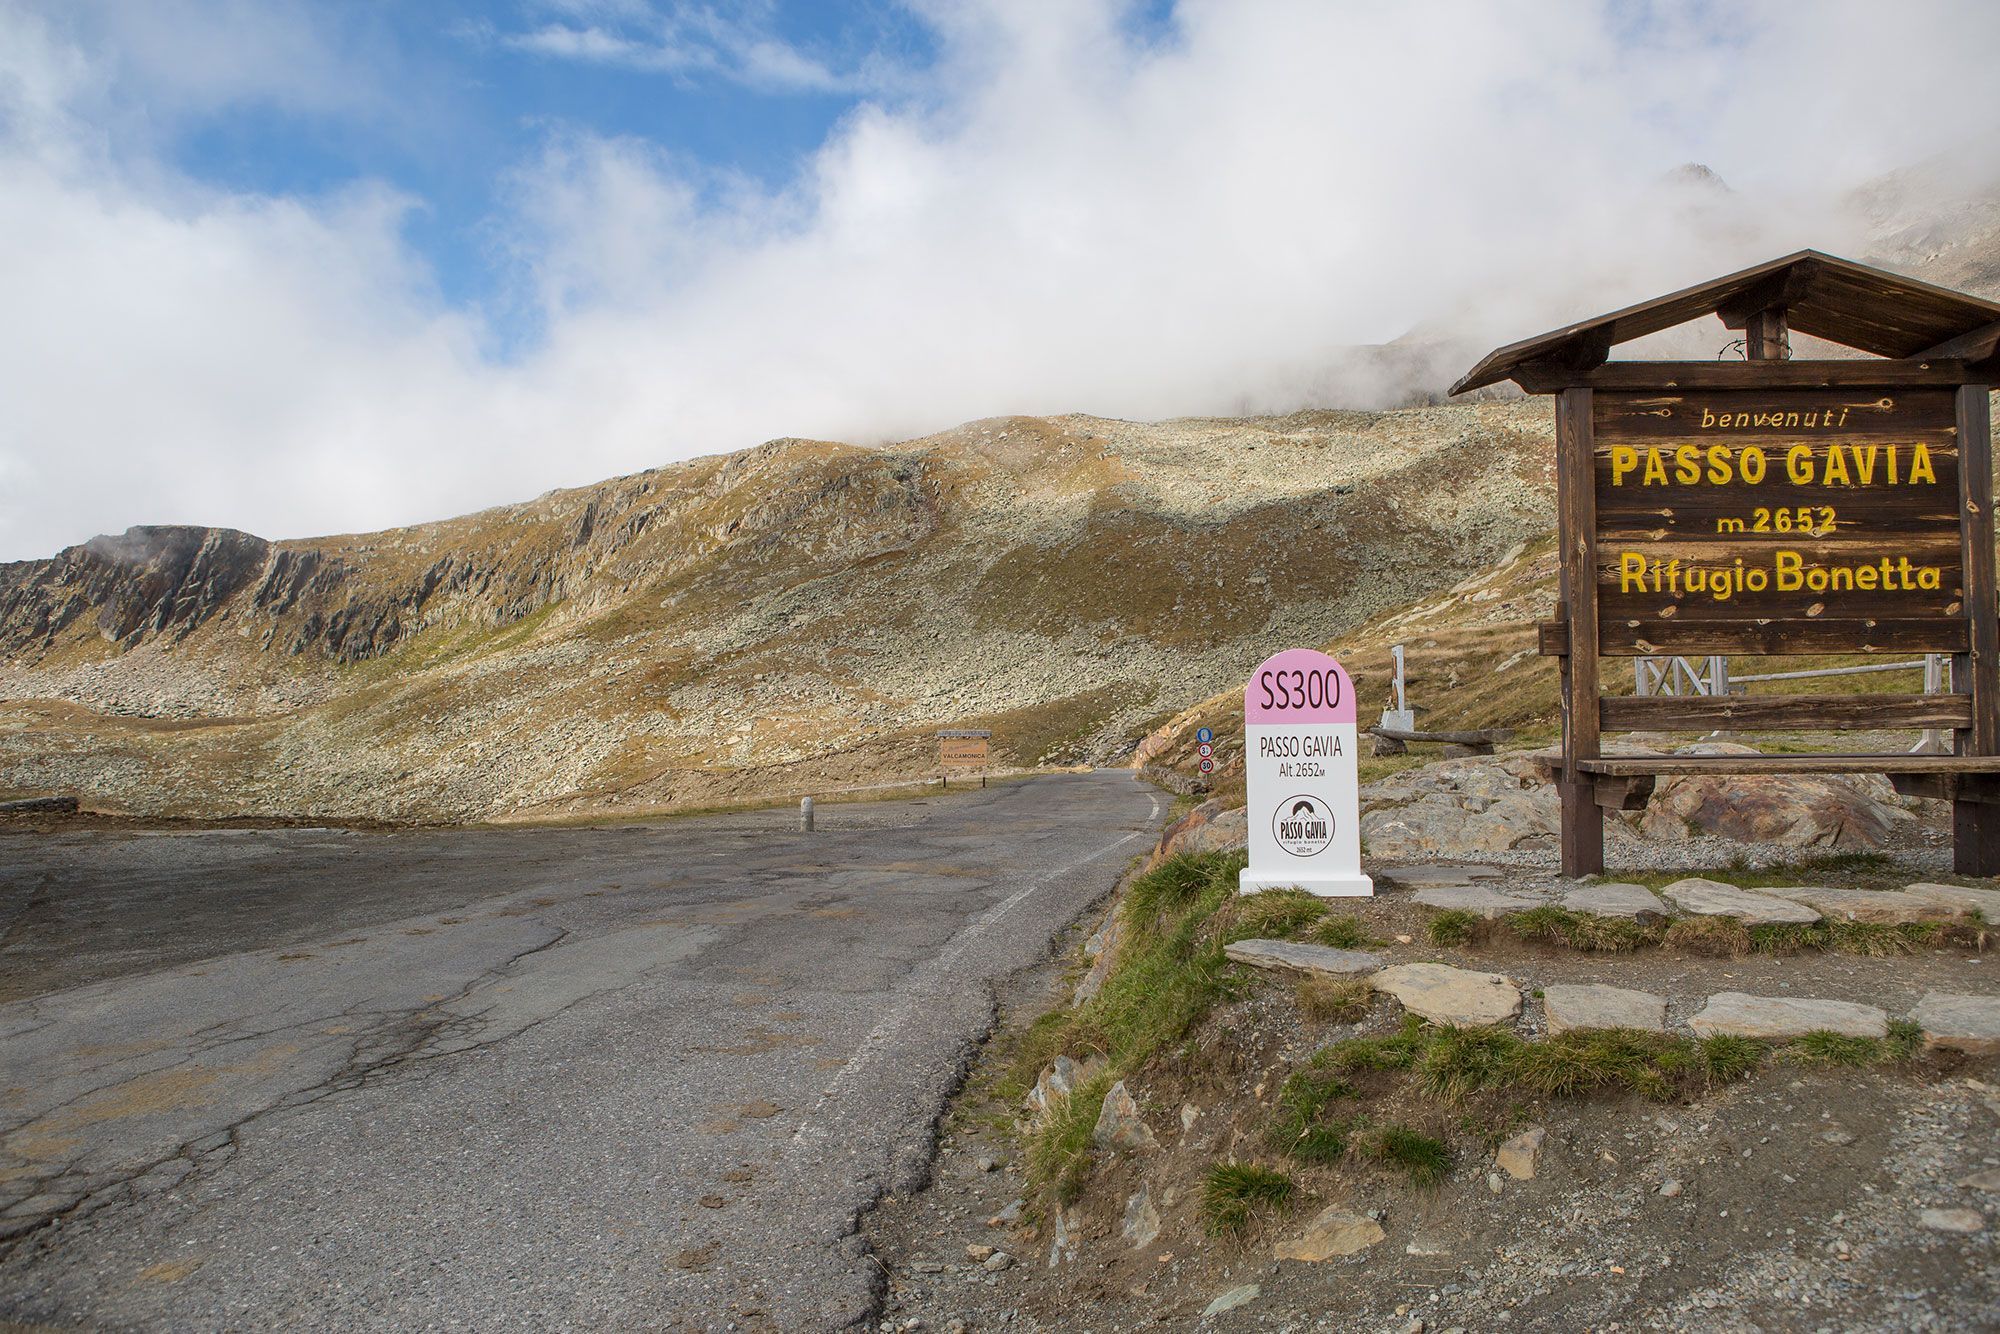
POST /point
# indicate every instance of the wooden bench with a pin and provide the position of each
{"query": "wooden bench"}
(1481, 741)
(1625, 782)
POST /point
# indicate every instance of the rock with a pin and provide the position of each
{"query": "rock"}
(1962, 1023)
(1521, 1155)
(1988, 1181)
(1481, 899)
(988, 1165)
(1444, 825)
(1985, 902)
(1569, 1006)
(1009, 1216)
(1789, 810)
(1435, 874)
(1670, 1189)
(1067, 1229)
(1953, 1220)
(1713, 898)
(996, 1262)
(1119, 1125)
(1102, 949)
(1142, 1220)
(978, 1254)
(1232, 1299)
(1495, 1182)
(1840, 1139)
(1743, 1015)
(1620, 900)
(1334, 1233)
(1189, 1115)
(1447, 995)
(1058, 1081)
(1315, 959)
(1209, 827)
(1864, 905)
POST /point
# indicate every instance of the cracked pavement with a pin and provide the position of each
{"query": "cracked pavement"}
(621, 1077)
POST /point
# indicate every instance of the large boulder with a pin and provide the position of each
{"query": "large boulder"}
(1317, 960)
(1481, 900)
(1616, 900)
(1333, 1233)
(1789, 810)
(1743, 1015)
(1209, 827)
(1714, 898)
(1447, 995)
(1573, 1005)
(1866, 905)
(1985, 902)
(1962, 1023)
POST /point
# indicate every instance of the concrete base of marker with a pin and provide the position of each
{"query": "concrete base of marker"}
(1325, 886)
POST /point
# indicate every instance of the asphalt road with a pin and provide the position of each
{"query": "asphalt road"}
(618, 1078)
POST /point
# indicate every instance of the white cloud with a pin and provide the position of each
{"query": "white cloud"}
(1054, 218)
(690, 39)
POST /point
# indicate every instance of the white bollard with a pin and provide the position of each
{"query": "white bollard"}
(806, 814)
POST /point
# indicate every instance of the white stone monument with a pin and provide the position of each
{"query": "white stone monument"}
(1299, 752)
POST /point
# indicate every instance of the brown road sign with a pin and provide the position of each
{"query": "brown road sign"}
(962, 752)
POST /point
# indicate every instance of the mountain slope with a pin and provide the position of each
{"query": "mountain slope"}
(794, 616)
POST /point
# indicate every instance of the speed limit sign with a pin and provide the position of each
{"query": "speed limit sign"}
(1205, 750)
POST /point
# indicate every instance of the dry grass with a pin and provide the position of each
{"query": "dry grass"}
(1335, 1000)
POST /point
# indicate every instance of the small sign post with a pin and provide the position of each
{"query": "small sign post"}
(1299, 751)
(962, 748)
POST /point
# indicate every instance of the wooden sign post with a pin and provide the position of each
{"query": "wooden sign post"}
(1773, 506)
(963, 748)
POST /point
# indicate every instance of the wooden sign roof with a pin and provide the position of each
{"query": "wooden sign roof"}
(1823, 295)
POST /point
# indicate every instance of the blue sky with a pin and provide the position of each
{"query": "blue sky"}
(493, 81)
(310, 266)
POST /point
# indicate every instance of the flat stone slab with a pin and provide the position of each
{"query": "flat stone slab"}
(1743, 1015)
(1866, 905)
(1713, 898)
(1632, 901)
(1334, 1233)
(1481, 899)
(1425, 876)
(1317, 959)
(1962, 1023)
(1447, 995)
(1569, 1006)
(1986, 902)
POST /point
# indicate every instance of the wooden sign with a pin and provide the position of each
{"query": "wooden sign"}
(1753, 511)
(1776, 506)
(962, 749)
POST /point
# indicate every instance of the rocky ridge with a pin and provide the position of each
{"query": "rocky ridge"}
(791, 617)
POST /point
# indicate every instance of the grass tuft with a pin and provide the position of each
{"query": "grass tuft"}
(1302, 1128)
(1460, 1061)
(1060, 1152)
(1580, 931)
(1341, 932)
(1424, 1159)
(1823, 1046)
(1728, 1058)
(1905, 1040)
(1712, 937)
(1453, 926)
(1336, 1000)
(1275, 914)
(1395, 1051)
(1235, 1193)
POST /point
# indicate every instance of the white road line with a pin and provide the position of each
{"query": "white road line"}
(812, 1131)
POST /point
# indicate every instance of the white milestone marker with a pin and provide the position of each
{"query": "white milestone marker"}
(1299, 752)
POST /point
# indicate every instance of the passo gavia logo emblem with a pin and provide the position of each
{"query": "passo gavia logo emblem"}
(1302, 825)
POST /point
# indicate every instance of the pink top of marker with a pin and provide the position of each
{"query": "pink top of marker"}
(1298, 686)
